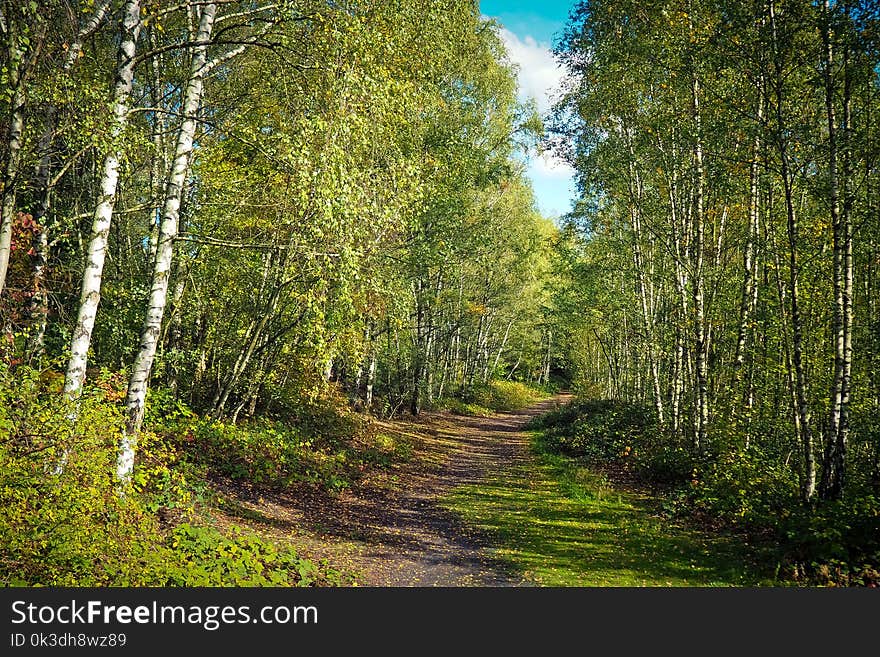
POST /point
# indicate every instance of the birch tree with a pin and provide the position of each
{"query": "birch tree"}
(14, 27)
(140, 374)
(90, 290)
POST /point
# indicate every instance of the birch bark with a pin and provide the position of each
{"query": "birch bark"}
(90, 292)
(140, 374)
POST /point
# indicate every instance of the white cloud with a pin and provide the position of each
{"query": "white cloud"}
(539, 75)
(548, 166)
(540, 78)
(553, 182)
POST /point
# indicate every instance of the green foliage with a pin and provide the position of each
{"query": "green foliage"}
(205, 557)
(72, 527)
(597, 430)
(746, 487)
(460, 407)
(65, 521)
(323, 444)
(505, 395)
(835, 543)
(262, 454)
(492, 397)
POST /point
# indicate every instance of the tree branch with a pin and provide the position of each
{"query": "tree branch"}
(212, 241)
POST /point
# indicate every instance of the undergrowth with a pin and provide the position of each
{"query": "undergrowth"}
(492, 397)
(66, 521)
(726, 487)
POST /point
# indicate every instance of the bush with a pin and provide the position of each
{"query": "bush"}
(202, 556)
(837, 543)
(458, 407)
(665, 463)
(65, 521)
(747, 488)
(62, 519)
(277, 455)
(504, 395)
(597, 430)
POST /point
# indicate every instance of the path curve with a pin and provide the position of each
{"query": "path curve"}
(403, 536)
(450, 553)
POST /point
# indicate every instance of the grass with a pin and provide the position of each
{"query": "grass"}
(561, 524)
(458, 407)
(492, 397)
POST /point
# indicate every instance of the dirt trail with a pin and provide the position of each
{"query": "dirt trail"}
(400, 535)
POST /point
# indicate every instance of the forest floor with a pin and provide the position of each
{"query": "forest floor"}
(473, 505)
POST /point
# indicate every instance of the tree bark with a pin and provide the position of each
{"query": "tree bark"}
(701, 398)
(643, 282)
(833, 467)
(808, 478)
(90, 292)
(139, 381)
(14, 144)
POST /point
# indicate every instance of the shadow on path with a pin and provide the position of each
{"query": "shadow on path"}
(403, 536)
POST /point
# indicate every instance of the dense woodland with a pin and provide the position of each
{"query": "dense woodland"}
(234, 230)
(725, 254)
(241, 209)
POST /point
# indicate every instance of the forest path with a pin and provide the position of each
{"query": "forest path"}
(397, 530)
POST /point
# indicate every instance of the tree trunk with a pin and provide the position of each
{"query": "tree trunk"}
(90, 292)
(13, 158)
(642, 283)
(415, 401)
(701, 398)
(501, 348)
(140, 374)
(831, 484)
(371, 378)
(749, 285)
(808, 478)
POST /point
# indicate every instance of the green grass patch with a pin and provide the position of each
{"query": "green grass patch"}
(562, 524)
(492, 397)
(505, 395)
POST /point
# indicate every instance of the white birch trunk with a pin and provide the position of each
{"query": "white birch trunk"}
(140, 375)
(701, 397)
(501, 348)
(371, 378)
(90, 292)
(10, 173)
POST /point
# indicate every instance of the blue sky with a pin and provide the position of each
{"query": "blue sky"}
(529, 31)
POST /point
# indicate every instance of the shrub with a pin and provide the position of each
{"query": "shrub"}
(278, 455)
(459, 407)
(62, 519)
(504, 395)
(597, 430)
(202, 556)
(665, 463)
(836, 543)
(745, 487)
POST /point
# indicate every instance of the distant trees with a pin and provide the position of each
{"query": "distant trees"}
(242, 201)
(724, 260)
